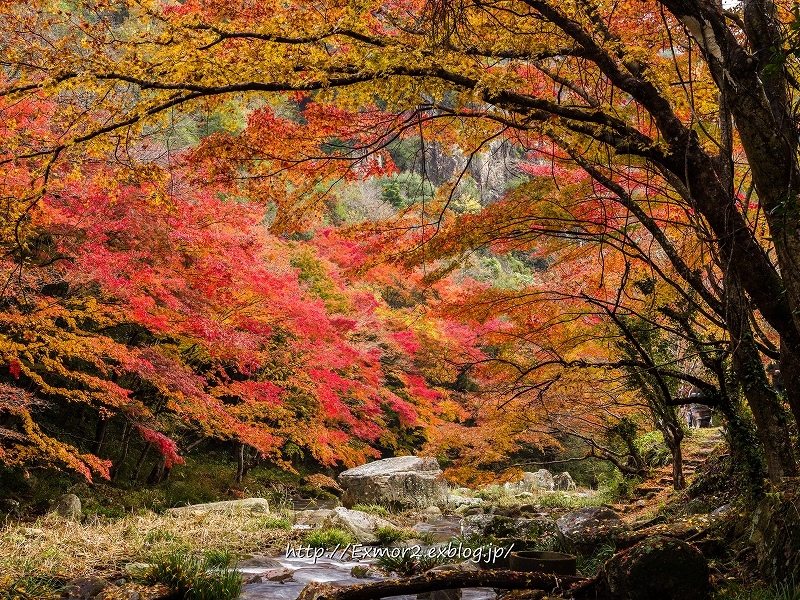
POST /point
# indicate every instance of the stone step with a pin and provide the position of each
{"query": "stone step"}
(644, 491)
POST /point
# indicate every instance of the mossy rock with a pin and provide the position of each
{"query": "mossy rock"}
(776, 533)
(658, 567)
(586, 529)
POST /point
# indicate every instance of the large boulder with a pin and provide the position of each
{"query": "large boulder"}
(403, 481)
(68, 506)
(587, 528)
(362, 525)
(657, 567)
(776, 534)
(540, 480)
(564, 482)
(255, 505)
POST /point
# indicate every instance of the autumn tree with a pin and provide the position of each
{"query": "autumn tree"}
(676, 105)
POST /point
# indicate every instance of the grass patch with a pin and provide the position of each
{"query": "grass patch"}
(273, 522)
(193, 577)
(405, 563)
(387, 535)
(30, 586)
(786, 591)
(588, 566)
(328, 538)
(373, 509)
(569, 501)
(653, 449)
(56, 550)
(428, 538)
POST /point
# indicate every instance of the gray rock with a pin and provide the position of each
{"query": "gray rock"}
(313, 518)
(455, 502)
(564, 482)
(10, 507)
(720, 511)
(697, 506)
(540, 480)
(255, 505)
(585, 529)
(259, 561)
(136, 569)
(86, 587)
(658, 567)
(365, 572)
(500, 526)
(362, 525)
(279, 575)
(68, 506)
(403, 481)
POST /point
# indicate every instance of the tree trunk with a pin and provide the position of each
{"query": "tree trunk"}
(744, 445)
(768, 414)
(443, 580)
(142, 456)
(790, 372)
(673, 436)
(157, 472)
(100, 434)
(127, 429)
(240, 462)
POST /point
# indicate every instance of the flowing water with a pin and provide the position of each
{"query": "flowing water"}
(325, 570)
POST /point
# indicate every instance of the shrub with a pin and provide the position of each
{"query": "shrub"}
(327, 538)
(786, 591)
(589, 565)
(276, 523)
(196, 578)
(405, 563)
(387, 535)
(40, 587)
(653, 449)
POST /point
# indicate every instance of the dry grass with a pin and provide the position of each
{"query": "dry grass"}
(60, 549)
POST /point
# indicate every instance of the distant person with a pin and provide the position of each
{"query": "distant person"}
(777, 380)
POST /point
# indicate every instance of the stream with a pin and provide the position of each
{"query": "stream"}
(325, 570)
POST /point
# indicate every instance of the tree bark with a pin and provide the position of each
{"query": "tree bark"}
(241, 462)
(673, 436)
(100, 434)
(768, 414)
(445, 580)
(744, 445)
(158, 470)
(127, 429)
(142, 456)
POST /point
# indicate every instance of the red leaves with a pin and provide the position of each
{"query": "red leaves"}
(14, 367)
(167, 447)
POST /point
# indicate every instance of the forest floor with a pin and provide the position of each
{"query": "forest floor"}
(656, 491)
(49, 552)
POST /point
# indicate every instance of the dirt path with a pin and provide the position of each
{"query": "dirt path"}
(657, 489)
